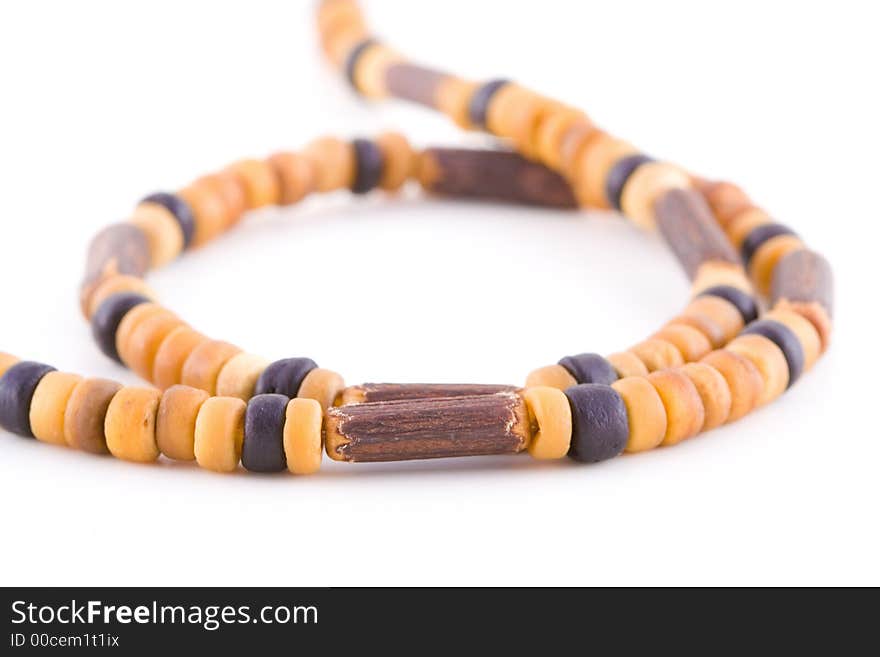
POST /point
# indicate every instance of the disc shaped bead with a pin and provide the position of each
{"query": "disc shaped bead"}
(86, 412)
(130, 424)
(770, 361)
(263, 447)
(478, 107)
(600, 428)
(219, 433)
(714, 393)
(784, 338)
(758, 236)
(645, 413)
(684, 407)
(590, 368)
(176, 421)
(620, 173)
(17, 388)
(284, 377)
(555, 376)
(48, 405)
(302, 436)
(204, 364)
(745, 303)
(106, 320)
(181, 211)
(742, 378)
(550, 415)
(368, 166)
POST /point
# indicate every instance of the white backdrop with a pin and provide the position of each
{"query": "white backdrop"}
(103, 102)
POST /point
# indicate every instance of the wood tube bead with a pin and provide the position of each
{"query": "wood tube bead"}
(117, 249)
(374, 392)
(86, 412)
(263, 446)
(333, 163)
(726, 201)
(744, 223)
(784, 338)
(176, 421)
(803, 276)
(768, 255)
(179, 209)
(591, 169)
(48, 405)
(599, 424)
(108, 317)
(770, 361)
(172, 353)
(414, 83)
(113, 285)
(303, 446)
(219, 433)
(130, 424)
(720, 311)
(296, 176)
(259, 182)
(645, 186)
(202, 367)
(743, 379)
(399, 160)
(627, 364)
(139, 349)
(17, 387)
(684, 407)
(645, 413)
(550, 418)
(162, 230)
(814, 313)
(716, 273)
(239, 376)
(691, 343)
(453, 98)
(658, 354)
(7, 361)
(714, 393)
(428, 428)
(324, 386)
(212, 217)
(228, 186)
(590, 368)
(554, 376)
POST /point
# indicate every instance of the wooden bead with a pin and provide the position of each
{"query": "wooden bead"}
(726, 200)
(744, 302)
(284, 377)
(743, 379)
(162, 230)
(129, 324)
(658, 354)
(478, 108)
(758, 236)
(813, 312)
(263, 446)
(176, 421)
(619, 173)
(119, 249)
(113, 285)
(332, 161)
(399, 160)
(769, 360)
(239, 376)
(368, 166)
(705, 325)
(17, 387)
(259, 181)
(130, 424)
(179, 209)
(714, 393)
(219, 433)
(139, 350)
(453, 98)
(202, 367)
(228, 186)
(627, 364)
(645, 186)
(172, 353)
(353, 56)
(295, 175)
(48, 405)
(85, 414)
(324, 386)
(342, 43)
(550, 132)
(591, 169)
(554, 376)
(691, 343)
(375, 392)
(369, 72)
(715, 273)
(767, 256)
(108, 317)
(803, 276)
(599, 425)
(302, 436)
(211, 214)
(7, 361)
(718, 310)
(645, 413)
(550, 417)
(684, 407)
(513, 113)
(784, 338)
(590, 368)
(744, 223)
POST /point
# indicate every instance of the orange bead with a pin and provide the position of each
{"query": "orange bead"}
(295, 175)
(684, 407)
(202, 367)
(714, 393)
(172, 354)
(259, 181)
(743, 379)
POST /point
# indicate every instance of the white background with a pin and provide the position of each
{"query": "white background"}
(102, 102)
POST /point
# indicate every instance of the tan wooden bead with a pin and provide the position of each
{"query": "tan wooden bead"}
(658, 354)
(591, 169)
(572, 144)
(714, 393)
(162, 230)
(815, 313)
(176, 421)
(453, 97)
(302, 436)
(690, 342)
(227, 185)
(339, 44)
(645, 413)
(554, 376)
(7, 361)
(219, 433)
(806, 333)
(85, 414)
(332, 161)
(239, 376)
(114, 285)
(551, 130)
(768, 255)
(769, 360)
(684, 407)
(512, 113)
(743, 379)
(714, 272)
(212, 216)
(324, 386)
(172, 354)
(140, 349)
(705, 325)
(127, 342)
(399, 160)
(744, 223)
(726, 201)
(202, 368)
(718, 310)
(48, 405)
(259, 181)
(646, 184)
(550, 418)
(370, 68)
(295, 175)
(627, 364)
(130, 424)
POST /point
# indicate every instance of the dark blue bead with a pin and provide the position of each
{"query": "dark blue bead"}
(784, 338)
(181, 211)
(600, 427)
(17, 388)
(369, 163)
(619, 174)
(106, 320)
(743, 301)
(589, 368)
(284, 377)
(758, 236)
(479, 103)
(263, 447)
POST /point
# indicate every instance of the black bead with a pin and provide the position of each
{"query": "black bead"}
(369, 164)
(105, 321)
(16, 391)
(784, 338)
(351, 60)
(743, 301)
(758, 236)
(181, 211)
(589, 368)
(263, 447)
(599, 424)
(284, 377)
(479, 104)
(619, 174)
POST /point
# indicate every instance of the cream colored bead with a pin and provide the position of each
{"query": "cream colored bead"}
(238, 377)
(744, 223)
(48, 405)
(302, 436)
(770, 361)
(453, 97)
(7, 361)
(550, 416)
(645, 413)
(130, 424)
(324, 386)
(714, 273)
(806, 333)
(370, 69)
(333, 163)
(162, 230)
(658, 354)
(591, 168)
(553, 376)
(549, 133)
(219, 434)
(645, 186)
(398, 160)
(627, 364)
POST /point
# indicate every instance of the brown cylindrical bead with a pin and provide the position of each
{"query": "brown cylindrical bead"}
(453, 99)
(768, 255)
(744, 223)
(806, 333)
(414, 83)
(803, 276)
(219, 433)
(212, 216)
(590, 170)
(376, 392)
(302, 436)
(645, 186)
(627, 364)
(705, 325)
(163, 232)
(815, 313)
(239, 376)
(726, 201)
(138, 348)
(324, 386)
(85, 414)
(111, 285)
(227, 185)
(7, 361)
